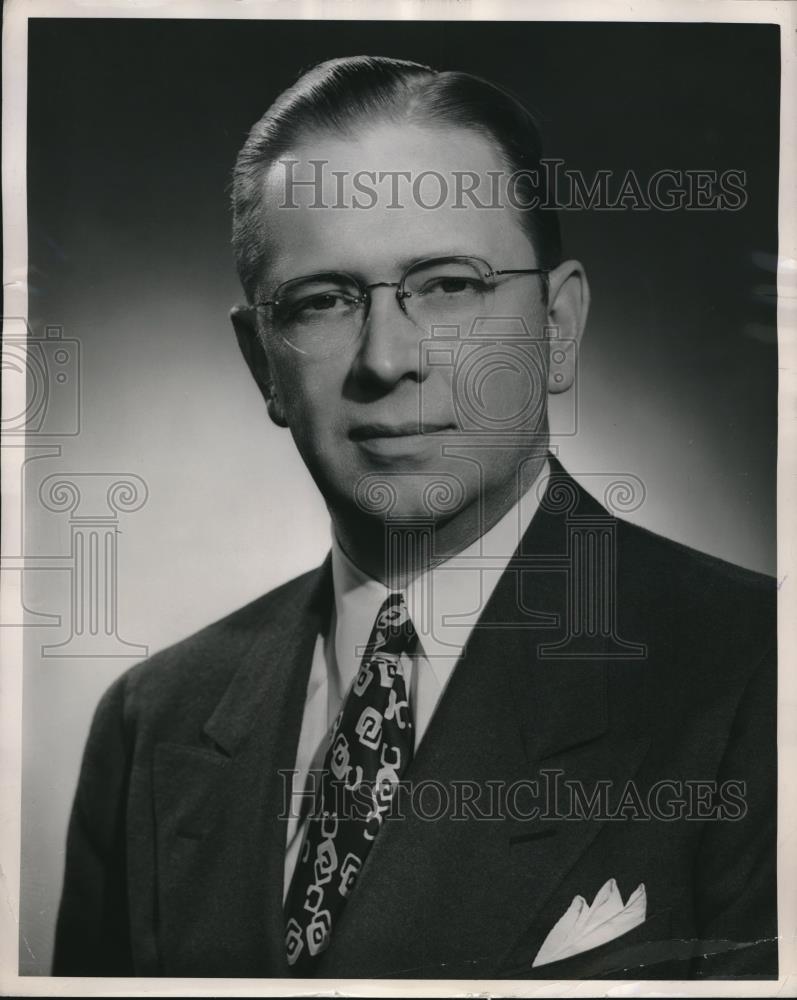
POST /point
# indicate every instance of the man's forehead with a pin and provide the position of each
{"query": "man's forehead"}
(397, 193)
(386, 150)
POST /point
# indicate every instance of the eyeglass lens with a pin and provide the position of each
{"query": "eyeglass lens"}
(324, 310)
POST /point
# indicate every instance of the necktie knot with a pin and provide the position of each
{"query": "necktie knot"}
(393, 629)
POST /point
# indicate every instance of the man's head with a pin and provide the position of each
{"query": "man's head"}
(380, 343)
(346, 97)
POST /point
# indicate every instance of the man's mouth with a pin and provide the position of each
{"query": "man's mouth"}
(373, 431)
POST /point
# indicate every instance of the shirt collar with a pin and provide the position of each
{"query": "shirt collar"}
(444, 602)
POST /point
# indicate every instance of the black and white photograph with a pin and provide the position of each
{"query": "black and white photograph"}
(398, 488)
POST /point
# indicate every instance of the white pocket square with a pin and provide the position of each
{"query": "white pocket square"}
(583, 927)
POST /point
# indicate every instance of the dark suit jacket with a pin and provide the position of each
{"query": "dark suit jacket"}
(176, 850)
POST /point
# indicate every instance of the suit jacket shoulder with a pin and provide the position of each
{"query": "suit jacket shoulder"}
(713, 622)
(180, 684)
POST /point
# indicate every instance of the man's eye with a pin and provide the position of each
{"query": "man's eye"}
(320, 303)
(315, 306)
(453, 285)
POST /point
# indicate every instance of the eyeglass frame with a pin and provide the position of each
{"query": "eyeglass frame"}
(365, 298)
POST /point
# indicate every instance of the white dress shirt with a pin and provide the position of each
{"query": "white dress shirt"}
(444, 602)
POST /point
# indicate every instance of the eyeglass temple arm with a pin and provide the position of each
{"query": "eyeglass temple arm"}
(523, 270)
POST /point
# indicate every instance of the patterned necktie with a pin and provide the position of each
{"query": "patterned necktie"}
(370, 748)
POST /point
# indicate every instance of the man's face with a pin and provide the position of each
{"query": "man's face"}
(386, 406)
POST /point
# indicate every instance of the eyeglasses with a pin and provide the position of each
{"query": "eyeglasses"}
(320, 313)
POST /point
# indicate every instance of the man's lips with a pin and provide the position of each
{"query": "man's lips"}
(372, 431)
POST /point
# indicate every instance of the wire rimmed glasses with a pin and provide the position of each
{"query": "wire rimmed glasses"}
(318, 314)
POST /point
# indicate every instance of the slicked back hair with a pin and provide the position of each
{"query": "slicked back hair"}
(341, 95)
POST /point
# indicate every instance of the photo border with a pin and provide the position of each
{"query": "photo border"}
(15, 276)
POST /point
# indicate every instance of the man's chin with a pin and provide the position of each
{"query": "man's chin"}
(409, 494)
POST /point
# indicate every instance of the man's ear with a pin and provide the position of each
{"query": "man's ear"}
(244, 320)
(568, 305)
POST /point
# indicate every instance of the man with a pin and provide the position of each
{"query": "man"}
(499, 733)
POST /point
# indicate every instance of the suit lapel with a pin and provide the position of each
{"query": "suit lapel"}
(220, 842)
(455, 897)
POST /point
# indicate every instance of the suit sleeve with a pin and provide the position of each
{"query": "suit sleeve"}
(92, 933)
(736, 873)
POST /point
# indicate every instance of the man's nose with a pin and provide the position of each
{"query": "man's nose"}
(390, 343)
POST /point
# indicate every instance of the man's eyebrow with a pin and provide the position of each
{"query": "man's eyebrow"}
(438, 253)
(406, 262)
